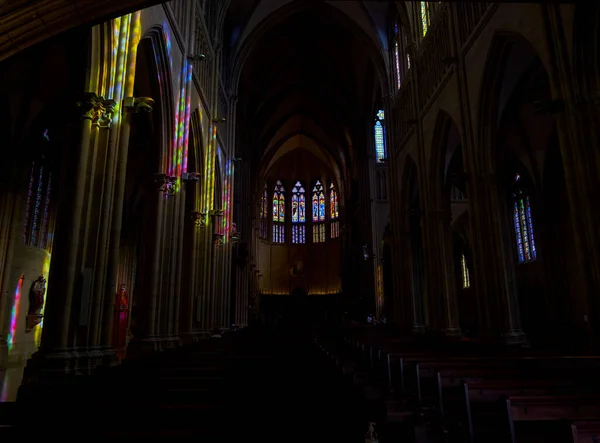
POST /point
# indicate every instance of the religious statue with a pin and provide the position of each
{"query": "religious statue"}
(36, 303)
(371, 434)
(297, 269)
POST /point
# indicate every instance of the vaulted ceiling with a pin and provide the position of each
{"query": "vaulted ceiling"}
(307, 76)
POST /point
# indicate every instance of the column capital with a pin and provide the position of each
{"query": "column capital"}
(88, 106)
(138, 104)
(199, 218)
(108, 110)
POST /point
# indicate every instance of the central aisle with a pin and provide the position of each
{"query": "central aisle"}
(251, 385)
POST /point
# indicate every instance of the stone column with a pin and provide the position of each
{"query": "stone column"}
(64, 267)
(101, 253)
(499, 261)
(179, 264)
(130, 105)
(577, 119)
(448, 274)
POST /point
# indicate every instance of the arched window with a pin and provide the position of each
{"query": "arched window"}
(279, 213)
(334, 212)
(425, 17)
(380, 149)
(264, 213)
(318, 213)
(466, 279)
(523, 222)
(397, 52)
(298, 214)
(36, 229)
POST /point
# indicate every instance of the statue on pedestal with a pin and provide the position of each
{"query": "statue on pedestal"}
(371, 434)
(36, 303)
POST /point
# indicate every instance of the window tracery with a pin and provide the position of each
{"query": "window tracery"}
(279, 213)
(523, 222)
(334, 212)
(298, 214)
(264, 213)
(380, 147)
(318, 213)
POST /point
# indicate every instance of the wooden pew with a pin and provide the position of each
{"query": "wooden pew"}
(444, 391)
(587, 431)
(482, 404)
(541, 419)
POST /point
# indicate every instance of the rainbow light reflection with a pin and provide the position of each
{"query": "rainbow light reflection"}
(38, 329)
(15, 313)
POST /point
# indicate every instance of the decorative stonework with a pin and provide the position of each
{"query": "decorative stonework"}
(199, 218)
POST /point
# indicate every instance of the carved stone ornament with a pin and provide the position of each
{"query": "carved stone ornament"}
(199, 219)
(216, 213)
(166, 184)
(218, 240)
(105, 120)
(88, 106)
(138, 104)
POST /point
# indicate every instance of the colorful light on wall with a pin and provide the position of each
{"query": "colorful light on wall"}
(380, 290)
(227, 199)
(15, 313)
(45, 272)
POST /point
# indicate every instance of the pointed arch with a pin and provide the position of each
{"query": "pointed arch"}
(157, 39)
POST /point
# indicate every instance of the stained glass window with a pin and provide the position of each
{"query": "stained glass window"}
(334, 212)
(523, 222)
(264, 213)
(43, 236)
(28, 204)
(298, 213)
(279, 213)
(36, 209)
(425, 17)
(397, 55)
(380, 151)
(466, 279)
(318, 216)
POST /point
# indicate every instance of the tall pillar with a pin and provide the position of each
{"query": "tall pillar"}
(448, 274)
(577, 117)
(130, 105)
(64, 268)
(496, 257)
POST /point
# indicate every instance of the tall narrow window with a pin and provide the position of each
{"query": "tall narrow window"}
(264, 213)
(523, 222)
(425, 17)
(298, 214)
(397, 54)
(318, 213)
(466, 279)
(38, 206)
(334, 212)
(279, 213)
(380, 150)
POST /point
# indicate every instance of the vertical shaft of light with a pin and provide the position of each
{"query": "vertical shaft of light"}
(174, 158)
(121, 65)
(134, 39)
(14, 316)
(186, 130)
(116, 30)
